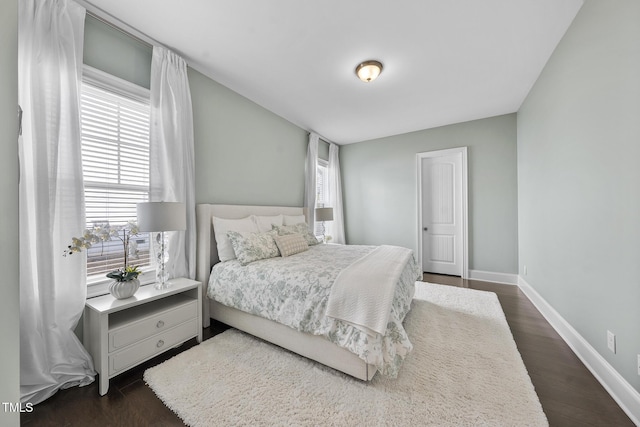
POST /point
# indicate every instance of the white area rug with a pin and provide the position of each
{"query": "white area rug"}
(464, 370)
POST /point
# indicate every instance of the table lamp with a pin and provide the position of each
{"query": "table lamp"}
(322, 215)
(160, 217)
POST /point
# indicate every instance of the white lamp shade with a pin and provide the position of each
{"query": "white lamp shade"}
(324, 214)
(162, 216)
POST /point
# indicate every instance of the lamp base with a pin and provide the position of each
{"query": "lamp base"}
(162, 256)
(165, 285)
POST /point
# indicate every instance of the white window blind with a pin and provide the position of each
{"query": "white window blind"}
(115, 162)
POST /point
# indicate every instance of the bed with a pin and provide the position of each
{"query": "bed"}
(312, 346)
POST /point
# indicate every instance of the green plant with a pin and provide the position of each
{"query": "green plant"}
(124, 274)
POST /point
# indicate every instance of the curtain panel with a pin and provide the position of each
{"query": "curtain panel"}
(172, 158)
(51, 197)
(335, 228)
(310, 172)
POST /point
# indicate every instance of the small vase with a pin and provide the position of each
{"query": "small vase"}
(123, 290)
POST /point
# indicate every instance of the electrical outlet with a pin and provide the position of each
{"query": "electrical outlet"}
(611, 341)
(525, 269)
(639, 364)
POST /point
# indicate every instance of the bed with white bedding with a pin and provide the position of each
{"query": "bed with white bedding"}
(285, 300)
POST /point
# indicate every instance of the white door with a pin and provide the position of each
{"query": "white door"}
(442, 214)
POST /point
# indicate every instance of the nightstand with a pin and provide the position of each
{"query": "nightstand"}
(121, 334)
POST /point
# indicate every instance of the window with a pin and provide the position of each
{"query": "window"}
(322, 190)
(115, 163)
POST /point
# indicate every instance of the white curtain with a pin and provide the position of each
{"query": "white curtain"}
(335, 228)
(172, 170)
(311, 170)
(52, 287)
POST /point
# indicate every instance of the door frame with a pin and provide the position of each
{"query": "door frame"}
(465, 203)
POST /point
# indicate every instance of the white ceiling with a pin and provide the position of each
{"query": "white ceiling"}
(445, 61)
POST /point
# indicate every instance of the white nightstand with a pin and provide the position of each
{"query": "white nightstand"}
(120, 334)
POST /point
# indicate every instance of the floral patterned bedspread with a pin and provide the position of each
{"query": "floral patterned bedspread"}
(294, 291)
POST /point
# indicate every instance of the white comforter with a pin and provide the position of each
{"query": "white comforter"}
(295, 291)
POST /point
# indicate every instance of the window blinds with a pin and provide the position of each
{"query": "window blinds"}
(115, 162)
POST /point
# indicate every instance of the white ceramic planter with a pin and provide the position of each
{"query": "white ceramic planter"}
(123, 290)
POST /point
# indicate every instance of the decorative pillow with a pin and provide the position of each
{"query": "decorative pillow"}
(266, 222)
(293, 219)
(220, 228)
(291, 244)
(300, 228)
(250, 247)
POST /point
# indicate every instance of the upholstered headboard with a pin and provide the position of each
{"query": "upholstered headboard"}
(207, 249)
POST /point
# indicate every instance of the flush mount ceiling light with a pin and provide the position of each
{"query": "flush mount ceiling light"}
(368, 71)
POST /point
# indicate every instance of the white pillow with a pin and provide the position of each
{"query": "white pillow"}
(293, 219)
(265, 222)
(220, 228)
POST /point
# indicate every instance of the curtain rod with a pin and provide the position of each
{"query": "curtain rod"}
(321, 137)
(115, 27)
(113, 22)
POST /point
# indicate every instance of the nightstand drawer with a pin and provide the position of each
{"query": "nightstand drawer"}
(161, 316)
(148, 348)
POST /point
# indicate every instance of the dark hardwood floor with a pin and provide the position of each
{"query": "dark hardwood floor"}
(569, 394)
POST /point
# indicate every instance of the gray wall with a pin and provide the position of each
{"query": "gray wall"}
(323, 150)
(579, 180)
(114, 52)
(9, 260)
(380, 189)
(244, 153)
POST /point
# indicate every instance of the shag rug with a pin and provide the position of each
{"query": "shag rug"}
(464, 370)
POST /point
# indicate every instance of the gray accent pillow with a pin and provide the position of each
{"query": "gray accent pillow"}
(300, 228)
(250, 247)
(291, 244)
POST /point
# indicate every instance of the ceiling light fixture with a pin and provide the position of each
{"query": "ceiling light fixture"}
(368, 71)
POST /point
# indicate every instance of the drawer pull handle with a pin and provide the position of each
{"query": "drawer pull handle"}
(160, 344)
(160, 324)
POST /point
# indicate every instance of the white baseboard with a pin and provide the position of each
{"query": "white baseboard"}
(489, 276)
(622, 392)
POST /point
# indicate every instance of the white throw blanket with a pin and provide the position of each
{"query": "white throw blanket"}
(363, 292)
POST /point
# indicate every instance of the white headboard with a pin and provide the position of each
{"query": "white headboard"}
(207, 249)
